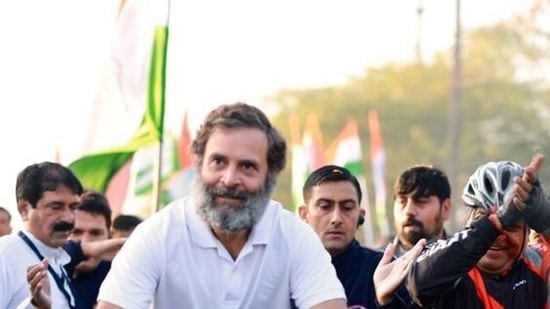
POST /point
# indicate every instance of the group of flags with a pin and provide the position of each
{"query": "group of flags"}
(151, 166)
(308, 154)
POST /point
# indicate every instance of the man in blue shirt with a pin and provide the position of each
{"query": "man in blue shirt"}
(332, 197)
(92, 222)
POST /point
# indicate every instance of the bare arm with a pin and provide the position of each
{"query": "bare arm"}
(103, 249)
(329, 304)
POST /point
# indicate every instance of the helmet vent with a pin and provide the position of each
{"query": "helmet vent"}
(488, 186)
(505, 180)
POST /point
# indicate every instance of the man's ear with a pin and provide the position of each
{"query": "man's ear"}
(302, 212)
(361, 218)
(23, 206)
(446, 209)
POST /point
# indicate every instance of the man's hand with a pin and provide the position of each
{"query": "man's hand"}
(524, 186)
(39, 285)
(516, 204)
(531, 196)
(390, 274)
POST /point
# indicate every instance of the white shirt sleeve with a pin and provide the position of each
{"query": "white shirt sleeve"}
(313, 277)
(135, 271)
(26, 304)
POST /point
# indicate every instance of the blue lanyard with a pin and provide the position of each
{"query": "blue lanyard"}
(59, 280)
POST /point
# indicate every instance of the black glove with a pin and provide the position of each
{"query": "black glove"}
(507, 213)
(537, 209)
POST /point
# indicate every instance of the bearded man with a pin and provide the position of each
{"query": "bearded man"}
(227, 245)
(421, 205)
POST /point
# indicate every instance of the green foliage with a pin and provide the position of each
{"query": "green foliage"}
(504, 113)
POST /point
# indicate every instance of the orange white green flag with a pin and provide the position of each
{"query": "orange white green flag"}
(346, 151)
(299, 163)
(378, 161)
(312, 144)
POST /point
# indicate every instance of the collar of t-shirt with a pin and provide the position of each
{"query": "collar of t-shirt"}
(55, 256)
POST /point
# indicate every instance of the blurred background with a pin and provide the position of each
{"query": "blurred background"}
(379, 86)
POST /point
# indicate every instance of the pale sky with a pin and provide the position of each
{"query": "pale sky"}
(220, 52)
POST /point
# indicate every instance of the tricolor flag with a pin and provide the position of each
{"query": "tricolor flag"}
(143, 177)
(299, 164)
(312, 144)
(180, 183)
(346, 151)
(136, 76)
(378, 161)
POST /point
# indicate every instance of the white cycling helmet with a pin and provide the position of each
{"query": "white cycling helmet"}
(489, 184)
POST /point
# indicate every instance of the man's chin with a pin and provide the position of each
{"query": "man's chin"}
(334, 244)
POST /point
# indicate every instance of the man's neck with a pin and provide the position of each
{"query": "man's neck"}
(232, 241)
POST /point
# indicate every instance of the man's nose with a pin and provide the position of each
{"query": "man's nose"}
(336, 216)
(231, 177)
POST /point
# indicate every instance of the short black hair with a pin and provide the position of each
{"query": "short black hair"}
(330, 173)
(38, 178)
(424, 180)
(96, 203)
(126, 222)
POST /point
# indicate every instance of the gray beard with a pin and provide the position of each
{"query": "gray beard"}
(229, 218)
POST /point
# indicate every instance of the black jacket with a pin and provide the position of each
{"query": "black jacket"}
(444, 275)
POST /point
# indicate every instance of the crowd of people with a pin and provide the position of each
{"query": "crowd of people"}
(228, 244)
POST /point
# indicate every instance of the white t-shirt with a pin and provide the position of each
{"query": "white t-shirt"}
(15, 257)
(174, 260)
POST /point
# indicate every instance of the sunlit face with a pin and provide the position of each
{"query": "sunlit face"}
(89, 227)
(333, 211)
(419, 217)
(232, 193)
(5, 226)
(52, 220)
(504, 250)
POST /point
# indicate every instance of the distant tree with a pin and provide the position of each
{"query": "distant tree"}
(506, 105)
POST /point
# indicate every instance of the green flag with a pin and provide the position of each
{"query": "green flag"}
(95, 170)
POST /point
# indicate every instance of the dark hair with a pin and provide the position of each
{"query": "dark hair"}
(126, 222)
(2, 209)
(424, 180)
(241, 115)
(330, 173)
(38, 178)
(96, 203)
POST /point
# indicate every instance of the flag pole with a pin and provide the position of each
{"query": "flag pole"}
(157, 94)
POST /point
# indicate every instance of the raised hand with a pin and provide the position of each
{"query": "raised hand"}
(524, 186)
(533, 199)
(390, 274)
(39, 285)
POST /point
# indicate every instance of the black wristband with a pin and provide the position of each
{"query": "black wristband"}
(508, 214)
(537, 210)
